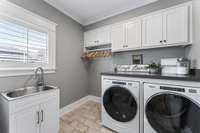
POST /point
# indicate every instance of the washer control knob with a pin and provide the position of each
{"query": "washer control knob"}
(192, 91)
(130, 84)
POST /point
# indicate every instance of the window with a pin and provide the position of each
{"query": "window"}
(22, 45)
(27, 41)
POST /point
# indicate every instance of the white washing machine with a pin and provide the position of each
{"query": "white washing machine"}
(171, 109)
(120, 105)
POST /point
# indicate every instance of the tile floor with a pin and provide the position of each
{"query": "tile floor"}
(84, 119)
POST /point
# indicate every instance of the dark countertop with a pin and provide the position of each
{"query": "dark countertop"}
(192, 77)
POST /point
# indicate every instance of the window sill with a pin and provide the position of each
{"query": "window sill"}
(23, 72)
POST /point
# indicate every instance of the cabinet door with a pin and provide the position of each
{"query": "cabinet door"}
(50, 116)
(118, 37)
(26, 121)
(90, 38)
(134, 34)
(152, 30)
(104, 35)
(176, 25)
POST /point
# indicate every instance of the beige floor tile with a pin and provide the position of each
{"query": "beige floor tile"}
(84, 119)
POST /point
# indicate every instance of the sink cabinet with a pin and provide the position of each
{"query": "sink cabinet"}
(32, 114)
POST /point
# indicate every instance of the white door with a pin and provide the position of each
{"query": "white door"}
(50, 116)
(118, 37)
(176, 26)
(26, 121)
(104, 35)
(134, 34)
(152, 30)
(90, 38)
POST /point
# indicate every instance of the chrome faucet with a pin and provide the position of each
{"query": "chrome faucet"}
(39, 78)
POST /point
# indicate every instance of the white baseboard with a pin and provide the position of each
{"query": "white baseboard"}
(77, 103)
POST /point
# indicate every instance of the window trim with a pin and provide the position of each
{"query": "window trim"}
(20, 14)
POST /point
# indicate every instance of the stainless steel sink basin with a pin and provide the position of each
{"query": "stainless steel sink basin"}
(46, 88)
(22, 92)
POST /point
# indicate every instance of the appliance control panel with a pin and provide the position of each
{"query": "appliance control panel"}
(124, 83)
(172, 88)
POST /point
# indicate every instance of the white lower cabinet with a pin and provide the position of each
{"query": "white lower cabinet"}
(25, 121)
(49, 121)
(32, 114)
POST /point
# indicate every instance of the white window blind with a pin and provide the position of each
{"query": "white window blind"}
(21, 44)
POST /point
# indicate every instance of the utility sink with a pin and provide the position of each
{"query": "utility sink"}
(17, 93)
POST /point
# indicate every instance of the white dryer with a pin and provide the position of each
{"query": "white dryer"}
(120, 105)
(171, 109)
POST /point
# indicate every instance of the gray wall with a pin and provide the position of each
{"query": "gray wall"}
(71, 75)
(107, 64)
(194, 52)
(100, 65)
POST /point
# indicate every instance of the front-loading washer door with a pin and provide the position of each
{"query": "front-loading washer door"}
(120, 104)
(173, 113)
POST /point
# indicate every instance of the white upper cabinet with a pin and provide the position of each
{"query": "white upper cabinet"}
(152, 33)
(97, 37)
(169, 27)
(90, 38)
(104, 35)
(118, 37)
(134, 34)
(126, 36)
(176, 25)
(164, 28)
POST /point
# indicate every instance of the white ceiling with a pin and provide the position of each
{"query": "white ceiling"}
(90, 11)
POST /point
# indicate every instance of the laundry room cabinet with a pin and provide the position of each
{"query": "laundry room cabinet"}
(32, 114)
(127, 35)
(165, 28)
(176, 26)
(97, 37)
(152, 34)
(169, 27)
(118, 37)
(90, 38)
(25, 121)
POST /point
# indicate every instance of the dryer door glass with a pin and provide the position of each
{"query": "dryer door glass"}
(120, 104)
(172, 113)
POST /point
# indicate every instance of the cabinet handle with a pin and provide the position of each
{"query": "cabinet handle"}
(38, 117)
(42, 112)
(151, 86)
(165, 41)
(125, 46)
(161, 41)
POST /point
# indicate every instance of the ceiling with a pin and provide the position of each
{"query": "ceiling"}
(90, 11)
